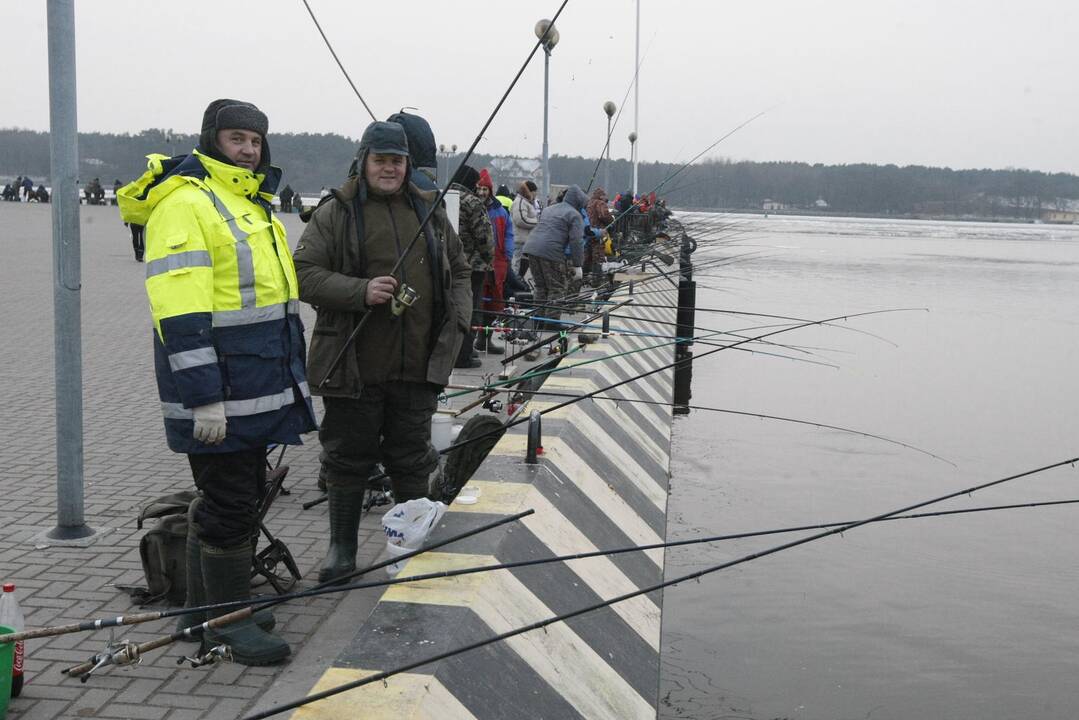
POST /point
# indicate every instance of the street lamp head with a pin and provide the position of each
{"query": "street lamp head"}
(552, 36)
(454, 147)
(633, 137)
(609, 108)
(442, 147)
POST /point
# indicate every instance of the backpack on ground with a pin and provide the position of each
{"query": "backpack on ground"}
(163, 550)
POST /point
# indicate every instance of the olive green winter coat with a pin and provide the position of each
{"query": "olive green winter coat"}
(333, 270)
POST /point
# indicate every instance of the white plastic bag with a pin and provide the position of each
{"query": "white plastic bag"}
(407, 526)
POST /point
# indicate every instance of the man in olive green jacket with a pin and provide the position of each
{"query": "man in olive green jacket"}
(380, 398)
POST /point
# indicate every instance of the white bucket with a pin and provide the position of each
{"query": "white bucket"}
(441, 431)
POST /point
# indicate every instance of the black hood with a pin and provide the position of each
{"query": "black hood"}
(227, 113)
(466, 176)
(421, 139)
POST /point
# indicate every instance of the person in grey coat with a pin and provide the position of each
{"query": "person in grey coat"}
(560, 228)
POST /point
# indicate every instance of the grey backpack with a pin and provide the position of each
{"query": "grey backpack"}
(163, 550)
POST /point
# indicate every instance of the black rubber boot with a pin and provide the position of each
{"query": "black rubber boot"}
(196, 596)
(487, 344)
(226, 576)
(346, 503)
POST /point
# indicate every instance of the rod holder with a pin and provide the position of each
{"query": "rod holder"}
(606, 324)
(535, 438)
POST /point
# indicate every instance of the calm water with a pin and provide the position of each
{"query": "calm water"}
(972, 616)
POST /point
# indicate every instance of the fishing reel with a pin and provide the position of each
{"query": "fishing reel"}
(213, 656)
(115, 653)
(404, 298)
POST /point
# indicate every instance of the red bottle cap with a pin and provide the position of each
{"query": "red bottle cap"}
(9, 587)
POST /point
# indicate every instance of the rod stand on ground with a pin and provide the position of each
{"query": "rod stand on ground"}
(535, 438)
(67, 271)
(686, 319)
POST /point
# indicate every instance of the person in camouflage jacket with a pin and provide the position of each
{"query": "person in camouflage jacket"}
(477, 240)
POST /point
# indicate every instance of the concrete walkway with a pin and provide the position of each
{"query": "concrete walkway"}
(127, 463)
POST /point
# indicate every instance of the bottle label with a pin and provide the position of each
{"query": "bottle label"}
(16, 668)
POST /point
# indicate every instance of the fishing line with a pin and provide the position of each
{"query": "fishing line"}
(744, 413)
(337, 59)
(442, 193)
(621, 106)
(847, 527)
(442, 574)
(671, 176)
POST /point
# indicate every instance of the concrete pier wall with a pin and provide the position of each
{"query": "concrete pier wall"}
(601, 482)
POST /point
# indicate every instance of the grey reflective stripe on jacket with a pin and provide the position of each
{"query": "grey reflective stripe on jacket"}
(251, 315)
(176, 261)
(245, 263)
(192, 358)
(235, 408)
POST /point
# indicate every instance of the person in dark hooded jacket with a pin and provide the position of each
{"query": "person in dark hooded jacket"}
(560, 228)
(421, 148)
(380, 398)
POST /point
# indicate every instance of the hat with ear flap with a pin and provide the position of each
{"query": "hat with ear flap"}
(228, 114)
(381, 138)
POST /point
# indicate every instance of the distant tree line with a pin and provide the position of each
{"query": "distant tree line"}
(312, 161)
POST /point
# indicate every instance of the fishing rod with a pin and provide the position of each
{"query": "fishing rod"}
(746, 313)
(677, 363)
(674, 339)
(402, 292)
(590, 333)
(705, 408)
(552, 338)
(642, 319)
(441, 574)
(671, 176)
(126, 652)
(840, 529)
(621, 107)
(337, 59)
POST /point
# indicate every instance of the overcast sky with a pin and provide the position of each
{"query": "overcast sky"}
(941, 82)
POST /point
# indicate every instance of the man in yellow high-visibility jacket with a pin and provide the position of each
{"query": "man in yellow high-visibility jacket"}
(229, 350)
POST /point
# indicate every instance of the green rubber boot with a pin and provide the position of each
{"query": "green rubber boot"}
(226, 576)
(346, 504)
(196, 596)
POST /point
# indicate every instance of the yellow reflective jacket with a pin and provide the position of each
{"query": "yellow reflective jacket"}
(224, 301)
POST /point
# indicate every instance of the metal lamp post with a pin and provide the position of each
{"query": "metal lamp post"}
(447, 154)
(67, 273)
(633, 159)
(549, 42)
(609, 108)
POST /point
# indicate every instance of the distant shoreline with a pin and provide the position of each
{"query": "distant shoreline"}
(868, 216)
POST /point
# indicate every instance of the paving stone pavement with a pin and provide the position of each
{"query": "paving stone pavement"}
(126, 463)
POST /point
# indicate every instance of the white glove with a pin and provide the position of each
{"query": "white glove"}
(210, 423)
(578, 273)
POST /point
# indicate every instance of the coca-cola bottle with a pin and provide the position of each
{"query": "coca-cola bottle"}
(11, 616)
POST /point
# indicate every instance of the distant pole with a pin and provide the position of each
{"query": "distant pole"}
(549, 38)
(636, 93)
(546, 160)
(608, 109)
(67, 269)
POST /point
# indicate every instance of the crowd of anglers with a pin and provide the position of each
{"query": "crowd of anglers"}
(401, 299)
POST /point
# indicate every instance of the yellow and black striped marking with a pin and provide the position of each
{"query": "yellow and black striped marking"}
(601, 483)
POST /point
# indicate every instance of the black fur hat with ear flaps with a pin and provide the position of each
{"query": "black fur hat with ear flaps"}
(227, 114)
